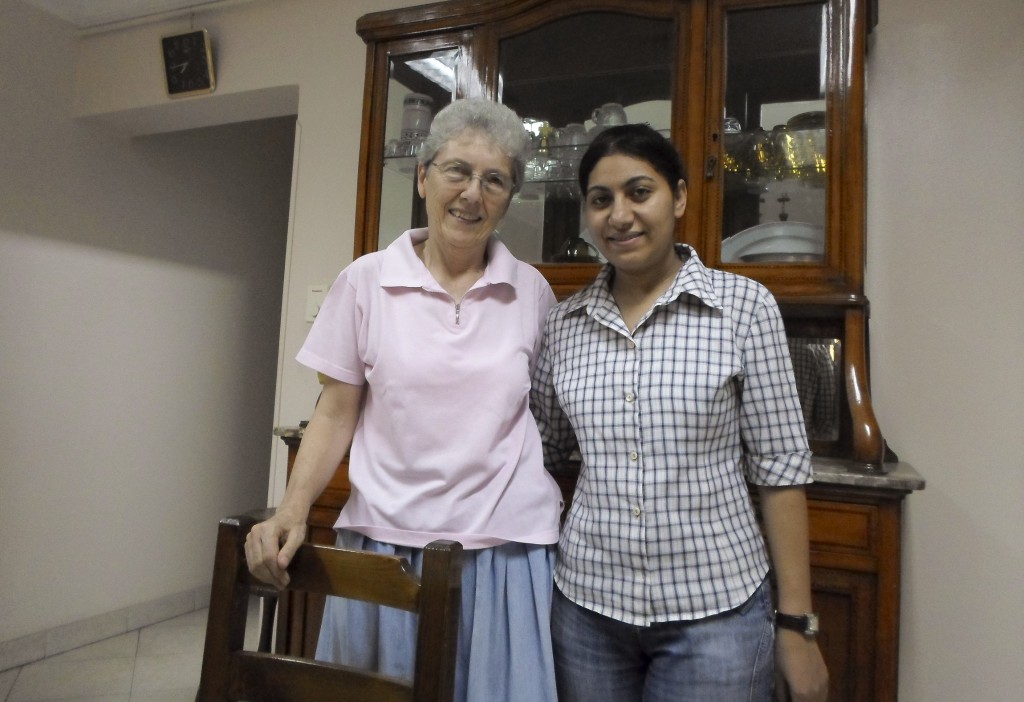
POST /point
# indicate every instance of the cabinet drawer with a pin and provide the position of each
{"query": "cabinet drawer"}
(843, 535)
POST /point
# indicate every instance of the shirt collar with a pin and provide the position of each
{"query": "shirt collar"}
(402, 268)
(693, 279)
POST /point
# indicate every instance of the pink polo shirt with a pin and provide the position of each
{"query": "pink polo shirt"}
(446, 446)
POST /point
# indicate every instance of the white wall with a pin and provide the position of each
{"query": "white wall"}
(140, 296)
(945, 254)
(945, 276)
(271, 55)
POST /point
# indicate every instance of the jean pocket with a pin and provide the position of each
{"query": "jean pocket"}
(761, 600)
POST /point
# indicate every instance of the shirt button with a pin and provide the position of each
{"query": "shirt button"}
(630, 397)
(633, 455)
(632, 344)
(636, 511)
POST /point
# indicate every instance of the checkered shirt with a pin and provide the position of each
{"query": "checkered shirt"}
(672, 420)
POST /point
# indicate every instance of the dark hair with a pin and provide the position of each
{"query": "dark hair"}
(639, 141)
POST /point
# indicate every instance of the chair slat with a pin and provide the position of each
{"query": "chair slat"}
(230, 674)
(263, 677)
(378, 578)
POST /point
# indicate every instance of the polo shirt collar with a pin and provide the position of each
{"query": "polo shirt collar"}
(693, 278)
(402, 268)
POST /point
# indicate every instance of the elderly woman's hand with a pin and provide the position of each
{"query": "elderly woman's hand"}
(270, 546)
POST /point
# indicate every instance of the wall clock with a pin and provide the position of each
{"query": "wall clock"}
(188, 64)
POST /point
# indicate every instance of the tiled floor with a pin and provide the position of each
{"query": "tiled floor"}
(159, 663)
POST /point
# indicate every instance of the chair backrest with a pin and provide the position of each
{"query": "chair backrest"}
(231, 673)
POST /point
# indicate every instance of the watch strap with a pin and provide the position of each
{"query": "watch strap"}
(806, 624)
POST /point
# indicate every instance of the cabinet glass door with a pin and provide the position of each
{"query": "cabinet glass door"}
(774, 135)
(568, 79)
(817, 368)
(419, 84)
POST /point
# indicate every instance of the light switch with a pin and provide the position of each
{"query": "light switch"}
(314, 298)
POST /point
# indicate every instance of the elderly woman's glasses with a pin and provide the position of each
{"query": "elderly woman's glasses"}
(459, 174)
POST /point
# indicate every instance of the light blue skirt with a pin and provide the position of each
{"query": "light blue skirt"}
(504, 647)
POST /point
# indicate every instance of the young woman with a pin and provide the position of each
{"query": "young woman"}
(675, 381)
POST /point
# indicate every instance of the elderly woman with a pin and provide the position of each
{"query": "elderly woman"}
(427, 348)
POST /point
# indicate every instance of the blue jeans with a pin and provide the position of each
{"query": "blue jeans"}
(724, 658)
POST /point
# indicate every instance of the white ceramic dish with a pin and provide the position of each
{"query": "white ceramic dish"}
(776, 241)
(657, 113)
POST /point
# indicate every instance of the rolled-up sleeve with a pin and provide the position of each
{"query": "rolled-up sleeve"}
(771, 421)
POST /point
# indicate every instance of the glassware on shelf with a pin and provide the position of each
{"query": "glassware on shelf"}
(748, 154)
(610, 114)
(554, 152)
(417, 114)
(574, 137)
(807, 155)
(570, 142)
(542, 163)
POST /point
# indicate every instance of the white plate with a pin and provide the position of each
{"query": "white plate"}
(776, 241)
(657, 113)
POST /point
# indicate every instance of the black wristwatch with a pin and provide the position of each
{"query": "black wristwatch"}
(806, 624)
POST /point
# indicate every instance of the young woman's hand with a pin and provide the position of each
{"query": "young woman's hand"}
(802, 667)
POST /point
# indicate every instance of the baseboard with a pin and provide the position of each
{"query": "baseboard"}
(34, 647)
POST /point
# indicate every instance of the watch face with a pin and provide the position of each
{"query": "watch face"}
(188, 63)
(812, 624)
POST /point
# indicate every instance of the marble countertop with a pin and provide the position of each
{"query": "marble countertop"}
(827, 471)
(893, 476)
(289, 432)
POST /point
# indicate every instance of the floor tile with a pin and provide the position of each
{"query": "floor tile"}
(187, 694)
(7, 679)
(162, 640)
(158, 663)
(26, 649)
(170, 672)
(72, 679)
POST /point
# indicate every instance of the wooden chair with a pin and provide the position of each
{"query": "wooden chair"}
(231, 673)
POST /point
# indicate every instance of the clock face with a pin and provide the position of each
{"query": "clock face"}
(188, 64)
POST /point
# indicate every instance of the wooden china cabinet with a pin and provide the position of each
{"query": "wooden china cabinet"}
(765, 100)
